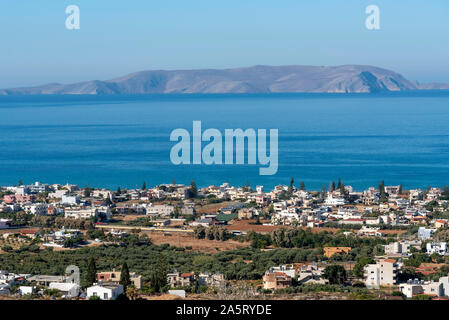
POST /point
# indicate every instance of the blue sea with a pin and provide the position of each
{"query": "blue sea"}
(111, 141)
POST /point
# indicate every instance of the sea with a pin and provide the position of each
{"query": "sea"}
(124, 140)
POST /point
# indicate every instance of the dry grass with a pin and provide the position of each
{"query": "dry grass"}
(246, 226)
(213, 207)
(187, 240)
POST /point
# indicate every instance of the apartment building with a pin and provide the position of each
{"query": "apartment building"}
(382, 273)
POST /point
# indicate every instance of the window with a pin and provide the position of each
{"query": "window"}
(105, 296)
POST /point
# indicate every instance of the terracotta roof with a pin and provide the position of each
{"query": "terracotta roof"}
(185, 275)
(389, 260)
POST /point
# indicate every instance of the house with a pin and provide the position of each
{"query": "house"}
(39, 209)
(105, 291)
(445, 283)
(436, 247)
(401, 247)
(23, 290)
(30, 233)
(424, 233)
(414, 287)
(330, 251)
(374, 232)
(114, 277)
(159, 209)
(383, 272)
(310, 273)
(331, 201)
(5, 223)
(440, 223)
(202, 222)
(71, 200)
(67, 289)
(46, 280)
(246, 213)
(58, 194)
(10, 279)
(276, 280)
(289, 270)
(211, 280)
(360, 221)
(81, 213)
(4, 289)
(177, 279)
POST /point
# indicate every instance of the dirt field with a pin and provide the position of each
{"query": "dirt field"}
(201, 245)
(128, 217)
(213, 207)
(245, 226)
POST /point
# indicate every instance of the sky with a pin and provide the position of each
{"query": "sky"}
(119, 37)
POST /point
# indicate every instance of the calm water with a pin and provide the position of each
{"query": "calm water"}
(111, 141)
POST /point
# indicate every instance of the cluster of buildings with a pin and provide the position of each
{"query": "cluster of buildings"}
(178, 280)
(107, 286)
(282, 276)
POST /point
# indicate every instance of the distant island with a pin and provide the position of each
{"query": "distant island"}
(256, 79)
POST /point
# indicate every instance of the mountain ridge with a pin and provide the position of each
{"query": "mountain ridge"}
(255, 79)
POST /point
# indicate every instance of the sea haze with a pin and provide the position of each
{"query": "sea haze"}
(107, 141)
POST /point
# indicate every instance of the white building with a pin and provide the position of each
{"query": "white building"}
(437, 247)
(71, 200)
(67, 289)
(331, 201)
(23, 290)
(4, 223)
(424, 233)
(382, 273)
(160, 209)
(58, 194)
(401, 247)
(105, 291)
(80, 213)
(414, 287)
(40, 209)
(289, 270)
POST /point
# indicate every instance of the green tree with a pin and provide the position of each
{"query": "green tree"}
(20, 183)
(336, 274)
(360, 265)
(108, 201)
(342, 189)
(87, 191)
(192, 192)
(302, 186)
(383, 195)
(119, 191)
(144, 186)
(290, 187)
(125, 279)
(158, 281)
(91, 272)
(323, 191)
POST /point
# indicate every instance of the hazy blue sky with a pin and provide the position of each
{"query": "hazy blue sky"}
(119, 37)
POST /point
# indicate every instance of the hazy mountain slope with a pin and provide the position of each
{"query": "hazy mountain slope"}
(257, 79)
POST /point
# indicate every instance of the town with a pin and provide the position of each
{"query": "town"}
(175, 241)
